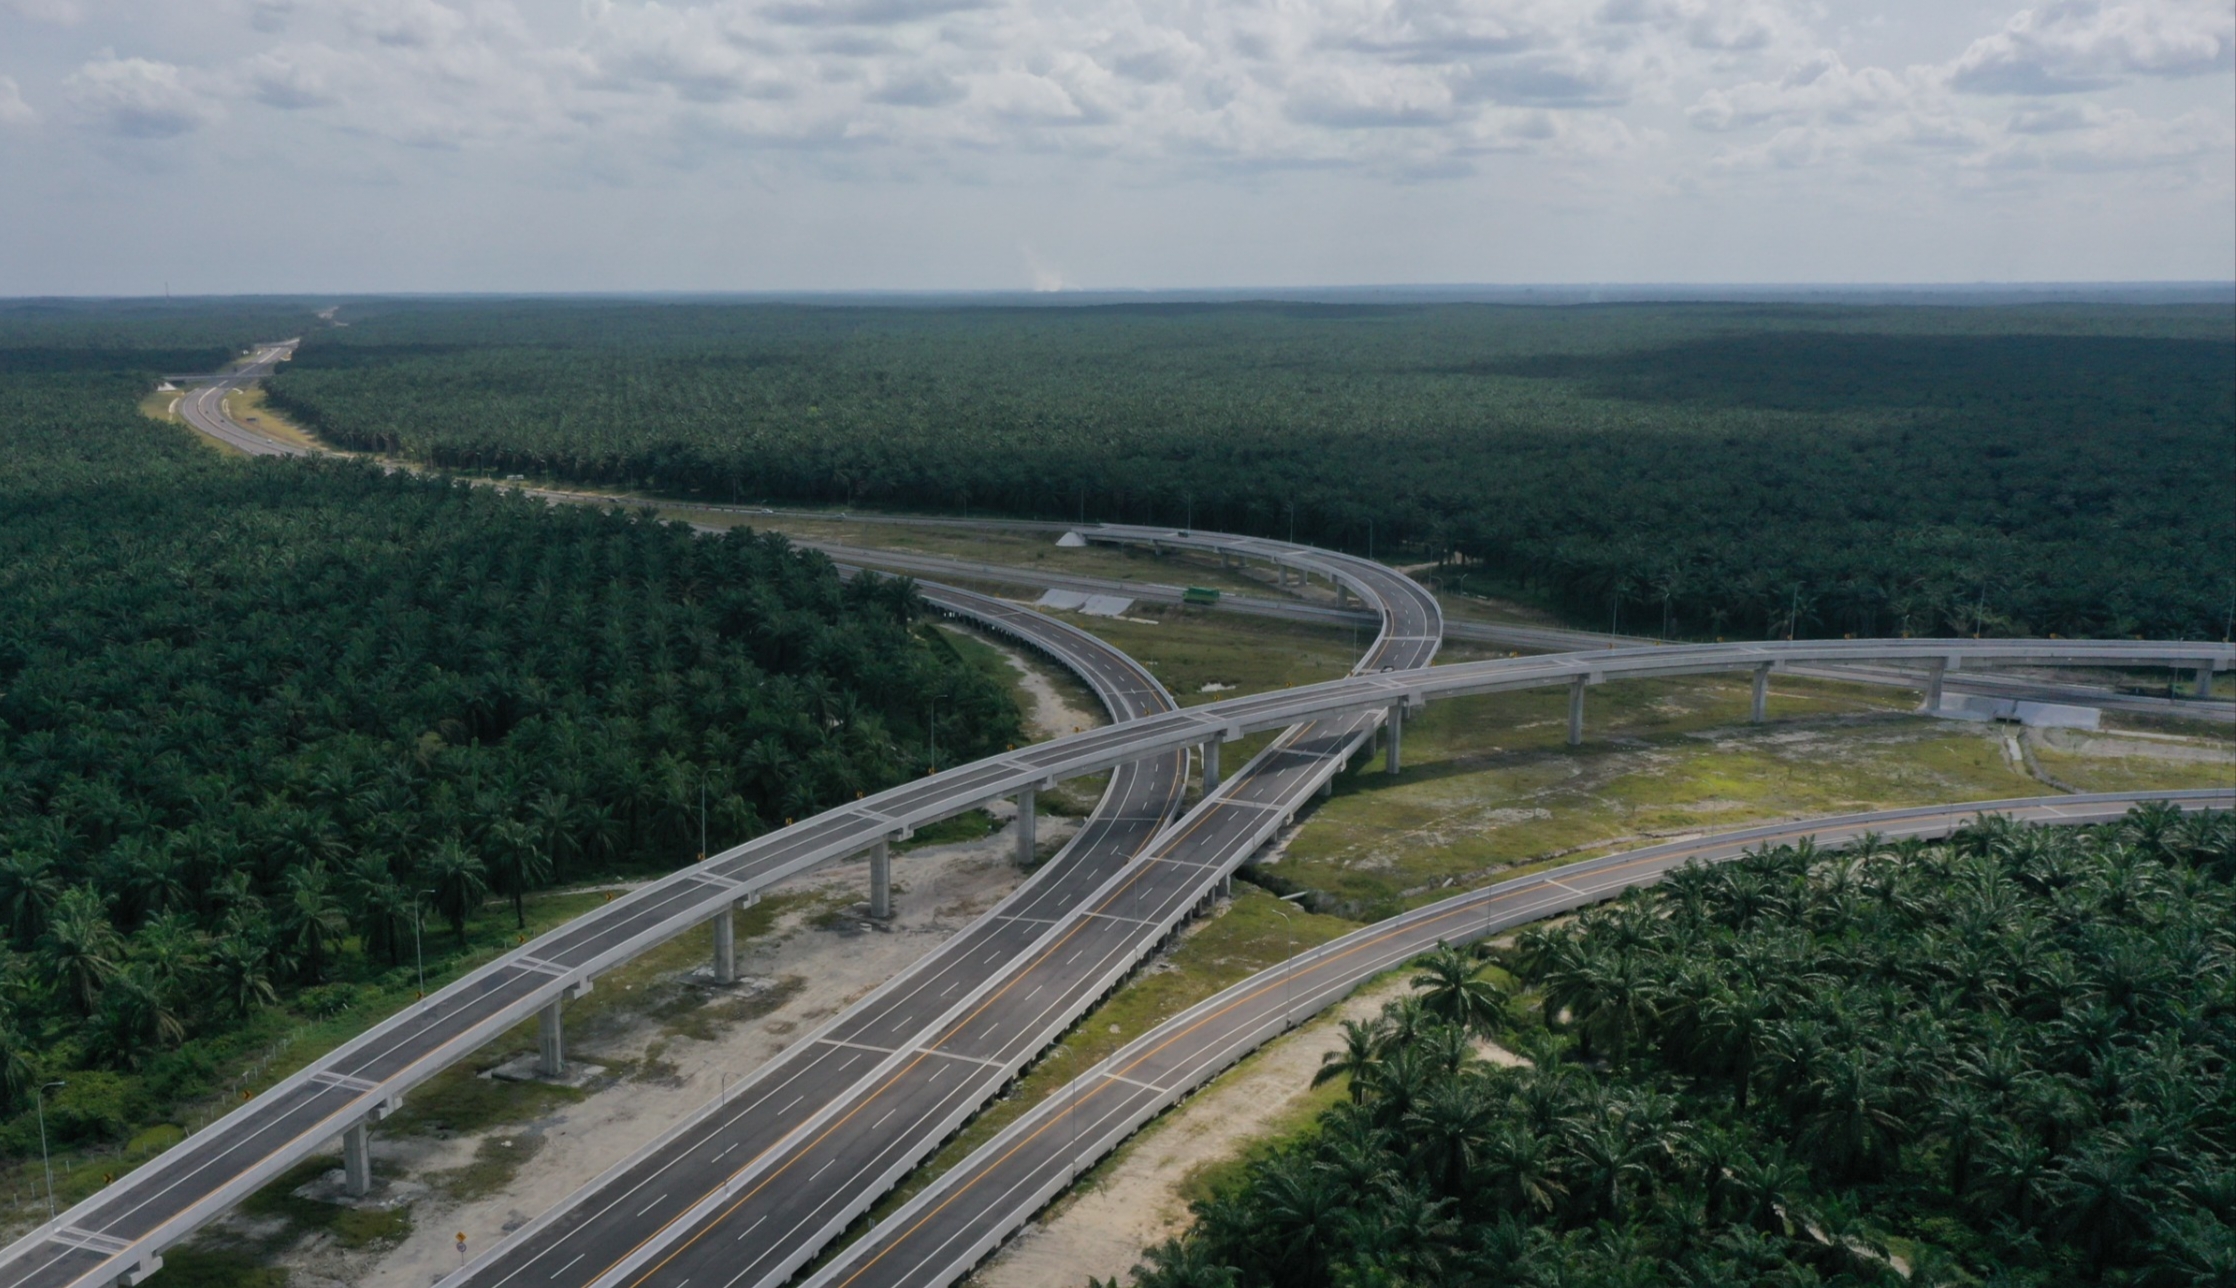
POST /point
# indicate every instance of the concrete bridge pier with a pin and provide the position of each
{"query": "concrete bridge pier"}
(1761, 709)
(726, 940)
(881, 879)
(2205, 680)
(1934, 675)
(551, 1055)
(357, 1160)
(1576, 712)
(1028, 824)
(1393, 733)
(1210, 765)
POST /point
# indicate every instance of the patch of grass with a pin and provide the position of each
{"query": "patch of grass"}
(1191, 647)
(248, 406)
(351, 1227)
(460, 1101)
(497, 1159)
(1028, 549)
(705, 1023)
(970, 825)
(2133, 767)
(163, 405)
(215, 1268)
(1490, 784)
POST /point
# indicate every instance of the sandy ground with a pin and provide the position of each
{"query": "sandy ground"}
(1101, 1231)
(941, 889)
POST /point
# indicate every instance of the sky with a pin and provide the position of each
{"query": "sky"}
(304, 146)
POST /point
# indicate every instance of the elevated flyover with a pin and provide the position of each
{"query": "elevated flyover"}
(942, 1232)
(119, 1233)
(1536, 639)
(154, 1206)
(755, 1184)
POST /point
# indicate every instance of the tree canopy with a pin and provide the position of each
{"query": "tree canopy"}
(258, 718)
(2001, 1060)
(1711, 469)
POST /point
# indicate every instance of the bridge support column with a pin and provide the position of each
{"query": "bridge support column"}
(1761, 709)
(881, 879)
(1934, 676)
(726, 946)
(1393, 733)
(1210, 765)
(1028, 824)
(551, 1059)
(1576, 712)
(2205, 681)
(357, 1160)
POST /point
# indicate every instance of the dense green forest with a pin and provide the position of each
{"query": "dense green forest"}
(2005, 1060)
(1702, 469)
(256, 717)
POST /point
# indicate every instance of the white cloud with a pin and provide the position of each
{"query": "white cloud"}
(1821, 86)
(2094, 139)
(13, 110)
(60, 12)
(139, 98)
(2082, 45)
(290, 80)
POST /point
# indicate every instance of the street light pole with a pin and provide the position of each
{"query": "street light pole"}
(1289, 968)
(45, 1160)
(419, 953)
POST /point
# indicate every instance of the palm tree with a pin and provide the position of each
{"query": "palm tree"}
(380, 907)
(1522, 1169)
(312, 921)
(1360, 1056)
(1304, 1210)
(134, 1017)
(2101, 1197)
(460, 883)
(80, 947)
(241, 974)
(517, 864)
(1859, 1120)
(1453, 989)
(1449, 1129)
(28, 890)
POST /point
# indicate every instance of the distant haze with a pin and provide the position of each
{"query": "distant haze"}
(294, 146)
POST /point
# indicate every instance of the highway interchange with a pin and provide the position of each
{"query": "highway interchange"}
(892, 1076)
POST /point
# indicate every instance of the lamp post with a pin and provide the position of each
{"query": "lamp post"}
(45, 1160)
(419, 954)
(1289, 968)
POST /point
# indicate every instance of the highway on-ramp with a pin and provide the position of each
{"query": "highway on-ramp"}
(940, 1233)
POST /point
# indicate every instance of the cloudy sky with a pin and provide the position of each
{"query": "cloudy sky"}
(497, 145)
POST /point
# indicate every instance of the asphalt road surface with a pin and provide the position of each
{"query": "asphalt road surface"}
(203, 406)
(755, 1188)
(941, 1233)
